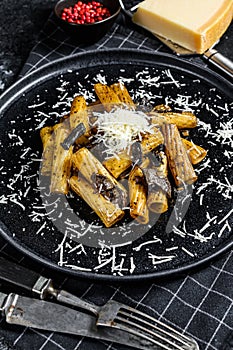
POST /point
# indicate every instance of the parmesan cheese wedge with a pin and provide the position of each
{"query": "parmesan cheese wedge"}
(193, 24)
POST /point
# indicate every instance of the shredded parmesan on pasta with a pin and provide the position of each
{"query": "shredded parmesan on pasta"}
(119, 128)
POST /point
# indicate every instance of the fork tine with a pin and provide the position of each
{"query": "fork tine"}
(128, 311)
(142, 335)
(150, 333)
(123, 317)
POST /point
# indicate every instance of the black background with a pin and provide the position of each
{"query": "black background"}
(20, 24)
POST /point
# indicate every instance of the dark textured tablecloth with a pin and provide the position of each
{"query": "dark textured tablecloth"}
(199, 303)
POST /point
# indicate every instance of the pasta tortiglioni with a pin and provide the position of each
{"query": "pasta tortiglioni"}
(90, 153)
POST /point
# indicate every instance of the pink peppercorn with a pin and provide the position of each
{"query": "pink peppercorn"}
(85, 13)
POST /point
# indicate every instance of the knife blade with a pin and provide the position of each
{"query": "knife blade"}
(44, 315)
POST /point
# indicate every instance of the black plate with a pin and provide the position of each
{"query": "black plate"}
(43, 96)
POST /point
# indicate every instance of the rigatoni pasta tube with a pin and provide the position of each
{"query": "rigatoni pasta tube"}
(137, 196)
(157, 200)
(151, 140)
(47, 139)
(117, 165)
(123, 94)
(78, 112)
(178, 159)
(45, 134)
(61, 164)
(106, 95)
(184, 120)
(78, 115)
(107, 211)
(162, 108)
(196, 153)
(94, 172)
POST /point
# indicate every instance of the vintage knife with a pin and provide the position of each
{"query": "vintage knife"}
(38, 285)
(53, 317)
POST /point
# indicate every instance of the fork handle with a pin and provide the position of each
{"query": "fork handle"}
(219, 61)
(70, 299)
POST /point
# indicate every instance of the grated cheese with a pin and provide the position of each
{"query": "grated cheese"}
(119, 128)
(156, 259)
(187, 251)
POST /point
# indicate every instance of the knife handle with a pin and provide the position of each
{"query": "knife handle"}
(44, 288)
(220, 61)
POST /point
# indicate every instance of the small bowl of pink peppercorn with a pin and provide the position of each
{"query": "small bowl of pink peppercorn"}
(86, 21)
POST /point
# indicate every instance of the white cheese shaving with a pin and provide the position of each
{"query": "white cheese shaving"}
(146, 243)
(156, 259)
(119, 128)
(183, 102)
(187, 251)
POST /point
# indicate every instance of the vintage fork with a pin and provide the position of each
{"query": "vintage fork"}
(120, 316)
(123, 317)
(113, 314)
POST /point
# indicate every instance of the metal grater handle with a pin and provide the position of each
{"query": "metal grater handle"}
(219, 61)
